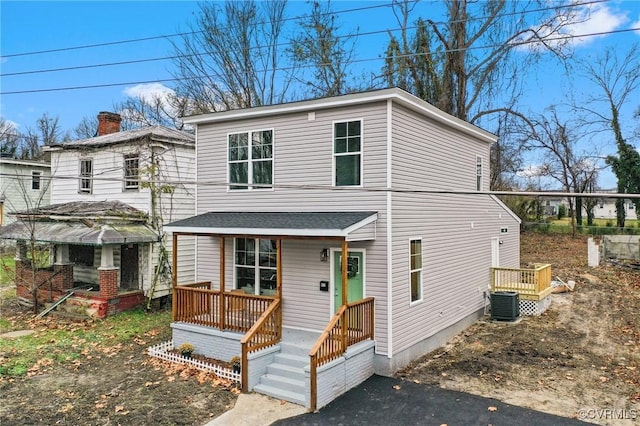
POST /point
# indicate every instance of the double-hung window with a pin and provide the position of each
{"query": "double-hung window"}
(35, 180)
(131, 178)
(255, 265)
(347, 153)
(415, 262)
(250, 158)
(86, 176)
(478, 173)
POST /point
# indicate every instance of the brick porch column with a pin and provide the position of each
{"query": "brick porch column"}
(63, 267)
(108, 273)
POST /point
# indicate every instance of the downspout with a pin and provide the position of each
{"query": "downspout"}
(389, 232)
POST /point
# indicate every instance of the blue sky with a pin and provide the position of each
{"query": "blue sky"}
(28, 26)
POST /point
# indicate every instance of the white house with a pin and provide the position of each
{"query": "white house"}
(380, 178)
(110, 197)
(23, 184)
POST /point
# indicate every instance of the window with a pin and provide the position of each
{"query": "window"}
(416, 269)
(250, 159)
(255, 265)
(131, 178)
(35, 180)
(347, 153)
(86, 174)
(478, 173)
(81, 255)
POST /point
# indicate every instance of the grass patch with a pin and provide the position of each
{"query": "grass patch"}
(55, 343)
(7, 270)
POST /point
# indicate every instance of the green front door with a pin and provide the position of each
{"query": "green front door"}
(355, 277)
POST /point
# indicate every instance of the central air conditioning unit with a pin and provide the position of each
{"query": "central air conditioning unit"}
(505, 305)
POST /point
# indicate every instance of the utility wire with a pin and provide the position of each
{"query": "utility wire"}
(165, 80)
(165, 58)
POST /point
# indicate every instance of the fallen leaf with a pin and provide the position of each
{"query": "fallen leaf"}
(492, 408)
(119, 408)
(396, 387)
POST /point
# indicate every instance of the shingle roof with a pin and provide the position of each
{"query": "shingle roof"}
(275, 223)
(88, 209)
(157, 133)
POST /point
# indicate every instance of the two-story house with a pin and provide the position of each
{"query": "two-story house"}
(287, 193)
(110, 197)
(24, 184)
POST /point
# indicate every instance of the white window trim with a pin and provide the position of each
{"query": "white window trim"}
(421, 269)
(256, 266)
(81, 178)
(333, 152)
(37, 173)
(126, 157)
(479, 161)
(250, 186)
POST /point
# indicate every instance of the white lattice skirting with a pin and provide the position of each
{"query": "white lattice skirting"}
(162, 351)
(534, 307)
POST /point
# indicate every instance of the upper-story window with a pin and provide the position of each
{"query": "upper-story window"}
(131, 171)
(86, 176)
(35, 180)
(250, 157)
(347, 153)
(478, 173)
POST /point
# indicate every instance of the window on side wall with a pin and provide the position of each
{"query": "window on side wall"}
(415, 262)
(478, 173)
(35, 180)
(250, 160)
(255, 266)
(86, 175)
(347, 153)
(131, 172)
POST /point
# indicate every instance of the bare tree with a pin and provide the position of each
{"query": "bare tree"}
(574, 171)
(9, 138)
(153, 110)
(618, 82)
(329, 55)
(232, 58)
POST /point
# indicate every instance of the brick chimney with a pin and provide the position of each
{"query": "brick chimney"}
(108, 122)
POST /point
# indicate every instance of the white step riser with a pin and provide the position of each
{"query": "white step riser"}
(290, 348)
(279, 394)
(292, 361)
(283, 383)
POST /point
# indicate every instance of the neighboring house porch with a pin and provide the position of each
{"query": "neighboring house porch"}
(307, 365)
(98, 252)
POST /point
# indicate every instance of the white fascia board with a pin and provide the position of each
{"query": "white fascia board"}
(301, 232)
(360, 224)
(26, 163)
(506, 208)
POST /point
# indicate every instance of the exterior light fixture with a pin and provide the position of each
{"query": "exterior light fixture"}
(324, 255)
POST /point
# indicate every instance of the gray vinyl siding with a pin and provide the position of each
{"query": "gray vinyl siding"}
(456, 259)
(428, 155)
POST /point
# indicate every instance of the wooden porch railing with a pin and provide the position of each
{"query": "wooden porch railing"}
(531, 284)
(351, 324)
(197, 304)
(265, 332)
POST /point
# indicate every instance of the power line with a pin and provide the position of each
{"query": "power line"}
(165, 58)
(165, 80)
(87, 46)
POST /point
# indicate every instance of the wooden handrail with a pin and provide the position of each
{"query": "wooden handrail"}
(349, 325)
(526, 281)
(265, 332)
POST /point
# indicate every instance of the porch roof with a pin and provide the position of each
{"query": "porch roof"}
(84, 233)
(358, 225)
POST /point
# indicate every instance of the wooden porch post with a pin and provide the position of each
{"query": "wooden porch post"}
(222, 304)
(344, 292)
(174, 275)
(279, 268)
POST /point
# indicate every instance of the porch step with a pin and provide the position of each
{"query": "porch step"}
(279, 393)
(291, 360)
(296, 349)
(283, 383)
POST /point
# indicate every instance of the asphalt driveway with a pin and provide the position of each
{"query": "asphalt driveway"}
(377, 402)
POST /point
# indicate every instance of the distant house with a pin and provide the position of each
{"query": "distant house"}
(23, 184)
(604, 209)
(107, 193)
(353, 228)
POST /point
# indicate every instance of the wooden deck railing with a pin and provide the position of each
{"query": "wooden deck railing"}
(197, 304)
(531, 284)
(351, 324)
(265, 332)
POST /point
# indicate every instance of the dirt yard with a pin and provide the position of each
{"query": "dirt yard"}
(580, 359)
(582, 354)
